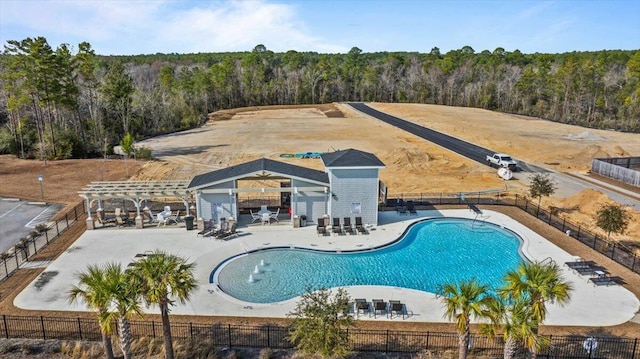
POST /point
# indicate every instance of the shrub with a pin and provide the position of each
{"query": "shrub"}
(143, 153)
(28, 349)
(41, 228)
(5, 346)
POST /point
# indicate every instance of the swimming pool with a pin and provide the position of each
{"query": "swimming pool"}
(430, 253)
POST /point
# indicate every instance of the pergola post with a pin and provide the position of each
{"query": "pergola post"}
(90, 225)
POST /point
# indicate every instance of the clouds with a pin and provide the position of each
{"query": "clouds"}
(125, 27)
(150, 26)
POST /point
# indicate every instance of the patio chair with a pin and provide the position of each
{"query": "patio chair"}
(228, 233)
(161, 219)
(104, 219)
(266, 218)
(150, 216)
(411, 207)
(362, 305)
(379, 305)
(208, 227)
(255, 217)
(321, 227)
(347, 225)
(336, 228)
(359, 226)
(397, 308)
(174, 218)
(274, 216)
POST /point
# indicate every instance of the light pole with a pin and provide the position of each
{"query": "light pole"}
(40, 178)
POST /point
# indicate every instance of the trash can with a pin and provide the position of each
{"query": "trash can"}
(303, 221)
(296, 221)
(188, 222)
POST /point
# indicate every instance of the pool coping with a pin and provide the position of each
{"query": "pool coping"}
(615, 304)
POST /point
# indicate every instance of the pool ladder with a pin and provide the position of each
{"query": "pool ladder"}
(548, 260)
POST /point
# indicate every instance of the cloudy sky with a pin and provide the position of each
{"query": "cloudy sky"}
(127, 27)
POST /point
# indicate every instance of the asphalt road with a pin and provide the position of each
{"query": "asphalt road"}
(566, 185)
(467, 149)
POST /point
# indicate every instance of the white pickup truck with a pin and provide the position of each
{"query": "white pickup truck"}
(502, 160)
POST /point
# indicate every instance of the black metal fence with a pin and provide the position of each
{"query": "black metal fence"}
(616, 251)
(37, 240)
(275, 337)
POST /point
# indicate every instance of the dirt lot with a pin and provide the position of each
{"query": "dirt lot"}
(413, 165)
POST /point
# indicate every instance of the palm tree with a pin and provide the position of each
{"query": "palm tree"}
(93, 289)
(125, 295)
(514, 320)
(117, 290)
(463, 301)
(162, 278)
(536, 284)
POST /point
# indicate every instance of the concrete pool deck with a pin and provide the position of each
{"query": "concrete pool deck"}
(589, 306)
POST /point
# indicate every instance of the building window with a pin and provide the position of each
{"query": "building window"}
(356, 208)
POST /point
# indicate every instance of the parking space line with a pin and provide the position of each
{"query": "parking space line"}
(31, 222)
(11, 210)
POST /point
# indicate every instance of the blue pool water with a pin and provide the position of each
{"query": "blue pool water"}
(429, 254)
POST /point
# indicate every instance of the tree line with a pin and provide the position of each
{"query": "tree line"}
(72, 103)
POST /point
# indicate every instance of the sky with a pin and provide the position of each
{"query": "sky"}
(131, 27)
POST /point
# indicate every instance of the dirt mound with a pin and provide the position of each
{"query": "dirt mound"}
(620, 152)
(586, 135)
(583, 209)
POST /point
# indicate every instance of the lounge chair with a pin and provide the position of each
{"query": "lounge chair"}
(321, 227)
(208, 227)
(274, 216)
(379, 305)
(597, 281)
(224, 226)
(255, 217)
(411, 207)
(361, 305)
(347, 225)
(336, 228)
(359, 226)
(397, 308)
(228, 233)
(579, 264)
(474, 208)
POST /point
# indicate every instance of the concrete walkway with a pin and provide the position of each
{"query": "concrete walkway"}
(589, 306)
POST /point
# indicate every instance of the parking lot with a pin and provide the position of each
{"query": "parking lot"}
(18, 218)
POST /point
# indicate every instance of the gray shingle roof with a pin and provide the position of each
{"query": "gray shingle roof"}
(351, 158)
(262, 164)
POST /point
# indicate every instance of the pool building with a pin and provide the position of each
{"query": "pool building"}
(348, 187)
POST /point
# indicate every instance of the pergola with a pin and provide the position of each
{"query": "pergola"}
(134, 191)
